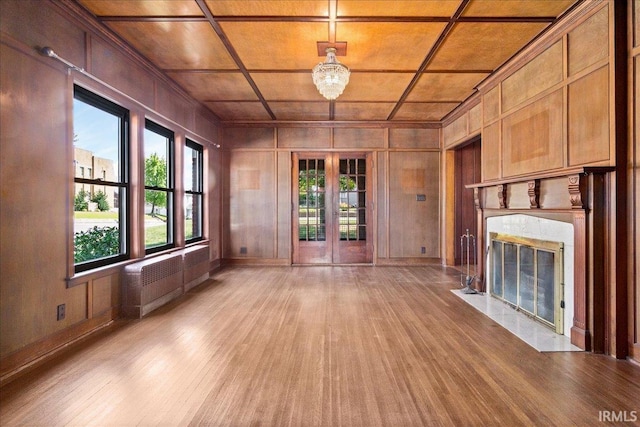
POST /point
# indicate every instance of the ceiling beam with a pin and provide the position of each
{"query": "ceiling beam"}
(391, 19)
(429, 57)
(333, 14)
(234, 55)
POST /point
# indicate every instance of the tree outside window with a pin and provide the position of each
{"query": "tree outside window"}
(159, 187)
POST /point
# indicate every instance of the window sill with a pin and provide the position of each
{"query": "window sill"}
(96, 273)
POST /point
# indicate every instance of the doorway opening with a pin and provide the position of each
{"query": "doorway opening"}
(467, 171)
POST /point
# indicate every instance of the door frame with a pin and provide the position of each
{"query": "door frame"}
(330, 251)
(451, 186)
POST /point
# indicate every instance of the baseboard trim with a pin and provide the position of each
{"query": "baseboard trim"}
(260, 262)
(35, 354)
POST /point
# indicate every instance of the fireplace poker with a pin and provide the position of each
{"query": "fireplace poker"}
(470, 244)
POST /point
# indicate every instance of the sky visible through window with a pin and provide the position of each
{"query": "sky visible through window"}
(97, 131)
(155, 143)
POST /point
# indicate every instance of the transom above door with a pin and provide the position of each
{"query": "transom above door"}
(332, 208)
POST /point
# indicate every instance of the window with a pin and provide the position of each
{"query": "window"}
(100, 136)
(158, 187)
(193, 198)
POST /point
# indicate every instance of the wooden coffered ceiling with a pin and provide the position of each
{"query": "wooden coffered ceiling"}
(251, 60)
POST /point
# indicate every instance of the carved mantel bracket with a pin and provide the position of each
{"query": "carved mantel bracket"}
(476, 198)
(502, 195)
(577, 184)
(534, 193)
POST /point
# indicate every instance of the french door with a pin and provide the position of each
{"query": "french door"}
(332, 208)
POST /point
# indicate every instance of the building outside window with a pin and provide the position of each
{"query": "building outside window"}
(100, 137)
(193, 203)
(159, 187)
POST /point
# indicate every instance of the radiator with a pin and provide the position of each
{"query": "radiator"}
(151, 283)
(196, 265)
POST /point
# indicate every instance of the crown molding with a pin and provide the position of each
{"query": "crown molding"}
(73, 11)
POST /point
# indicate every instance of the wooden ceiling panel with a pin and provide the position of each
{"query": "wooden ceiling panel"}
(376, 86)
(276, 45)
(363, 110)
(387, 45)
(230, 110)
(440, 8)
(269, 7)
(221, 86)
(445, 86)
(215, 54)
(287, 86)
(517, 8)
(300, 110)
(142, 8)
(424, 111)
(176, 45)
(483, 45)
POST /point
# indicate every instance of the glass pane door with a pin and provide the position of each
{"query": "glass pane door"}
(352, 199)
(331, 208)
(311, 200)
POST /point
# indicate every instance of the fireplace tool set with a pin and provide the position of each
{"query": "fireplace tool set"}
(467, 246)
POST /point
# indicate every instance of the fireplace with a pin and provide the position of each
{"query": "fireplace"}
(530, 267)
(527, 274)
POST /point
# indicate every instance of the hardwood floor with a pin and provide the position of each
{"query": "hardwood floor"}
(330, 346)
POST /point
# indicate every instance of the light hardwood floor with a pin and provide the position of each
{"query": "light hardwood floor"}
(333, 346)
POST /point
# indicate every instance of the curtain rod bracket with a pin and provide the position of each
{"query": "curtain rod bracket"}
(47, 51)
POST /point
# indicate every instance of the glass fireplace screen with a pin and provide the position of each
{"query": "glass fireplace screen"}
(527, 274)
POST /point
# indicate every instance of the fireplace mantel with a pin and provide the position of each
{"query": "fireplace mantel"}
(582, 170)
(573, 195)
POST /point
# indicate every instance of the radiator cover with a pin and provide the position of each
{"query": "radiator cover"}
(196, 265)
(151, 283)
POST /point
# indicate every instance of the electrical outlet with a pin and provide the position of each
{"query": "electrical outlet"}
(243, 250)
(61, 311)
(423, 250)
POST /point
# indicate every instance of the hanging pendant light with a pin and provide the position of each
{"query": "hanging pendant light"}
(331, 77)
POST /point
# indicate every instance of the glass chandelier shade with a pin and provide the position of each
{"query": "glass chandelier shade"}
(331, 77)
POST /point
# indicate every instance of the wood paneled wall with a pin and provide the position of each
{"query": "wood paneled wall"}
(36, 131)
(554, 111)
(464, 126)
(257, 217)
(634, 181)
